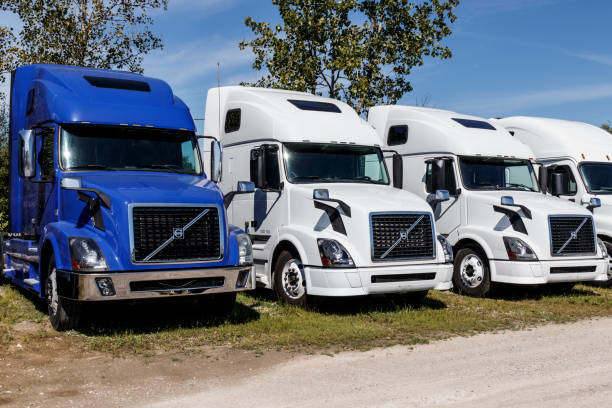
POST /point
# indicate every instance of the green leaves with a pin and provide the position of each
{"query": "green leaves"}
(361, 51)
(93, 33)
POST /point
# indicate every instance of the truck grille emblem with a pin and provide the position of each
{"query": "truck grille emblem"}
(403, 236)
(177, 233)
(573, 235)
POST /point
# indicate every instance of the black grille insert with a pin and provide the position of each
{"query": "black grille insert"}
(405, 277)
(178, 285)
(153, 226)
(573, 269)
(566, 241)
(389, 229)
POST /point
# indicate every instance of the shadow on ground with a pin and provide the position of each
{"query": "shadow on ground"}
(537, 292)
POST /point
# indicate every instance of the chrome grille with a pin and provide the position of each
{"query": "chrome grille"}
(154, 226)
(572, 235)
(390, 229)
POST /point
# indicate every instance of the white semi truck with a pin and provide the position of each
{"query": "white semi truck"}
(581, 154)
(502, 228)
(305, 177)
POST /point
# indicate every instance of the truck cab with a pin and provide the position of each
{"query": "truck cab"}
(306, 178)
(108, 197)
(580, 156)
(502, 227)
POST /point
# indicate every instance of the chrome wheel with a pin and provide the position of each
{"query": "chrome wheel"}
(52, 298)
(293, 282)
(471, 271)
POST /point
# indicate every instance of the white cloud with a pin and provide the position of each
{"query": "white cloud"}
(535, 99)
(599, 58)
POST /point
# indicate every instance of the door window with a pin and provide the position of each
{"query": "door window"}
(569, 178)
(449, 177)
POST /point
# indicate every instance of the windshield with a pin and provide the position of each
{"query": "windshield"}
(334, 163)
(121, 148)
(598, 177)
(494, 173)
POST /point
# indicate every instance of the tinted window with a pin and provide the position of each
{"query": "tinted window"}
(116, 83)
(315, 106)
(474, 124)
(450, 183)
(232, 120)
(122, 148)
(398, 135)
(570, 180)
(46, 155)
(598, 177)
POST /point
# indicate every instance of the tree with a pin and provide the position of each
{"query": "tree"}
(607, 127)
(92, 33)
(361, 51)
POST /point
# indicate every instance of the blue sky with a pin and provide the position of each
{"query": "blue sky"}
(529, 57)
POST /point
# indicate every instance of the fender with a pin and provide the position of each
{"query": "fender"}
(479, 240)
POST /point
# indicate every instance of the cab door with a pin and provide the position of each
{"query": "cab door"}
(440, 174)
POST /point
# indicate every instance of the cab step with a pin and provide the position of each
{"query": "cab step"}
(31, 282)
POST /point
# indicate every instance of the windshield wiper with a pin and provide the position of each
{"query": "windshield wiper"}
(483, 183)
(91, 167)
(518, 185)
(310, 178)
(168, 167)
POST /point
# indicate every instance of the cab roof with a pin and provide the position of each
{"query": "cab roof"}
(443, 131)
(254, 114)
(553, 138)
(68, 94)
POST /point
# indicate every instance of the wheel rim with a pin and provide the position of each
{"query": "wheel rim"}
(292, 278)
(472, 271)
(52, 298)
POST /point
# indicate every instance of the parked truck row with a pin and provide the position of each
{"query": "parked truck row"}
(113, 196)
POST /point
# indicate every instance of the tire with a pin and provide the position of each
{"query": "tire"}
(289, 279)
(471, 274)
(220, 305)
(64, 314)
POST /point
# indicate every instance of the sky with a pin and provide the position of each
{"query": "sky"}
(549, 58)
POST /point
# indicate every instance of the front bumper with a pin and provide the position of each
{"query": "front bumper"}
(156, 284)
(377, 280)
(542, 272)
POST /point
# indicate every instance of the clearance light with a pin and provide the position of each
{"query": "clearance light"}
(608, 157)
(583, 156)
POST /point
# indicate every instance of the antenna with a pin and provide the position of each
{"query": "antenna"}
(219, 95)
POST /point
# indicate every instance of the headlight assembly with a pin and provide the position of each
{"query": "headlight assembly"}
(447, 248)
(85, 255)
(333, 254)
(518, 250)
(602, 246)
(245, 249)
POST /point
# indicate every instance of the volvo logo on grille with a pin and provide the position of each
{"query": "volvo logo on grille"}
(179, 233)
(403, 235)
(573, 235)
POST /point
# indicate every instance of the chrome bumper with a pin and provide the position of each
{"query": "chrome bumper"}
(84, 286)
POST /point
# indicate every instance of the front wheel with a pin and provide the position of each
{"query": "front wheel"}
(289, 279)
(64, 314)
(471, 275)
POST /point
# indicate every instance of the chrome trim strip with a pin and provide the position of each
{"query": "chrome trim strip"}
(223, 232)
(433, 233)
(577, 254)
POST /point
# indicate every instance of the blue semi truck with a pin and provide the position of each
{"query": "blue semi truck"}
(109, 199)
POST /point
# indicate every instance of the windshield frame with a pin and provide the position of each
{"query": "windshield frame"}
(320, 181)
(493, 188)
(60, 159)
(583, 178)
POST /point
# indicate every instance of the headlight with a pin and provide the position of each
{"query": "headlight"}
(245, 249)
(333, 254)
(602, 246)
(518, 250)
(447, 248)
(85, 255)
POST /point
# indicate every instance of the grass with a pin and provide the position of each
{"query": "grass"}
(259, 323)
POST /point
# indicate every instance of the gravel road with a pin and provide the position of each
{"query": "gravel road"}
(551, 366)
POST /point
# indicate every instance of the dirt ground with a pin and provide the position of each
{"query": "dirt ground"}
(550, 366)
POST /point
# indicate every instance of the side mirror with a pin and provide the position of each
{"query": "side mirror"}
(398, 171)
(558, 185)
(28, 153)
(543, 178)
(245, 187)
(507, 200)
(442, 195)
(258, 167)
(216, 161)
(592, 202)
